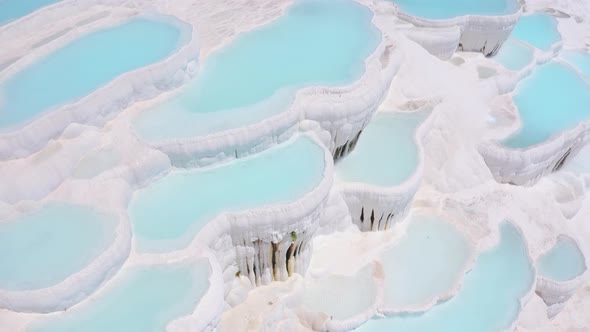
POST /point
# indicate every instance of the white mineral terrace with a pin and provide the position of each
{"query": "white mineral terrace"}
(294, 165)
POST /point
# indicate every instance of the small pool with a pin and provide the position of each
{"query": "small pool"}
(514, 54)
(563, 262)
(445, 9)
(488, 300)
(579, 60)
(539, 30)
(170, 212)
(341, 297)
(43, 248)
(142, 299)
(317, 42)
(552, 99)
(426, 264)
(84, 65)
(11, 10)
(386, 153)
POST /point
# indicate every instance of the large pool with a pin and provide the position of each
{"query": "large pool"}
(445, 9)
(386, 153)
(426, 264)
(42, 248)
(488, 300)
(564, 261)
(167, 214)
(84, 65)
(143, 299)
(539, 30)
(11, 10)
(317, 42)
(552, 99)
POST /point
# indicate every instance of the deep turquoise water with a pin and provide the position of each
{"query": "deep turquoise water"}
(167, 214)
(580, 60)
(83, 66)
(488, 301)
(11, 10)
(425, 264)
(317, 42)
(539, 30)
(514, 54)
(385, 154)
(552, 99)
(444, 9)
(563, 262)
(43, 248)
(145, 299)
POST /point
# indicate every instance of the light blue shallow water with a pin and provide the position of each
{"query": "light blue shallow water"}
(580, 60)
(444, 9)
(488, 300)
(167, 214)
(563, 262)
(83, 66)
(539, 30)
(552, 99)
(514, 54)
(43, 248)
(11, 10)
(443, 256)
(145, 299)
(385, 154)
(317, 42)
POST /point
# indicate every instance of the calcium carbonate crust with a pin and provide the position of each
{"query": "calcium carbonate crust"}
(102, 104)
(478, 33)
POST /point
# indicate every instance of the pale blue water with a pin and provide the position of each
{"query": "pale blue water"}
(11, 10)
(563, 262)
(444, 9)
(43, 248)
(145, 299)
(317, 42)
(488, 301)
(552, 99)
(580, 60)
(385, 154)
(514, 54)
(83, 66)
(539, 30)
(167, 214)
(443, 256)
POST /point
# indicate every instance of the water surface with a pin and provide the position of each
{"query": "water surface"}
(564, 261)
(445, 9)
(539, 30)
(11, 10)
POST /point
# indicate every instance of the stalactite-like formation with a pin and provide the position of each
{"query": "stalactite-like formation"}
(346, 148)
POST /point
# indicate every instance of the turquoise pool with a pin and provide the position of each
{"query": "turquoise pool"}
(552, 99)
(425, 264)
(445, 9)
(514, 54)
(563, 262)
(317, 42)
(580, 61)
(539, 30)
(43, 248)
(488, 300)
(11, 10)
(170, 212)
(84, 65)
(143, 299)
(386, 153)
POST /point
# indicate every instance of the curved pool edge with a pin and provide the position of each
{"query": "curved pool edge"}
(478, 33)
(103, 103)
(79, 285)
(391, 201)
